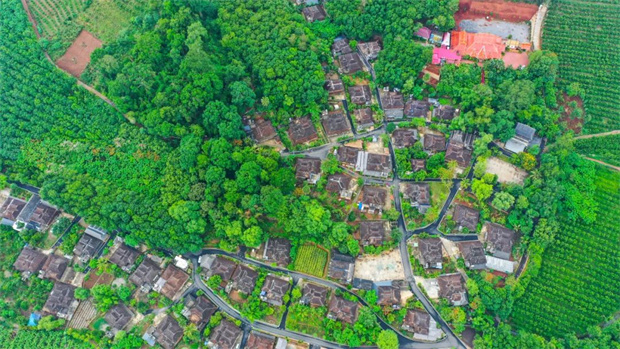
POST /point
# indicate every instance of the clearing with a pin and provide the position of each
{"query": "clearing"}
(507, 30)
(498, 9)
(77, 57)
(506, 172)
(386, 266)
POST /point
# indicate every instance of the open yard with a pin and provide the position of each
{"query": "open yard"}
(506, 172)
(77, 57)
(386, 266)
(507, 30)
(311, 260)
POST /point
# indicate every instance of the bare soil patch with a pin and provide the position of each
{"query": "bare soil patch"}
(516, 59)
(498, 9)
(77, 57)
(386, 266)
(103, 279)
(506, 172)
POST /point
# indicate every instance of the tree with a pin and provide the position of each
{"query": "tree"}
(387, 339)
(503, 201)
(243, 96)
(104, 297)
(400, 60)
(214, 282)
(82, 293)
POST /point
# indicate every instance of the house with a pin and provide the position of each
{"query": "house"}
(198, 310)
(473, 254)
(393, 104)
(524, 137)
(145, 275)
(370, 50)
(118, 316)
(278, 250)
(466, 217)
(404, 137)
(10, 210)
(181, 262)
(225, 336)
(372, 164)
(362, 284)
(87, 247)
(314, 295)
(452, 288)
(499, 240)
(168, 333)
(274, 289)
(171, 281)
(334, 86)
(302, 131)
(308, 169)
(477, 45)
(29, 261)
(335, 123)
(341, 267)
(341, 46)
(223, 267)
(244, 279)
(418, 165)
(457, 152)
(436, 37)
(417, 109)
(258, 340)
(35, 215)
(445, 112)
(417, 321)
(373, 199)
(466, 139)
(430, 253)
(343, 310)
(263, 130)
(388, 295)
(431, 74)
(61, 301)
(350, 63)
(443, 55)
(363, 118)
(419, 195)
(423, 33)
(347, 156)
(360, 94)
(373, 232)
(314, 13)
(124, 257)
(434, 143)
(54, 267)
(341, 183)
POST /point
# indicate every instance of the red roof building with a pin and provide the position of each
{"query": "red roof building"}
(478, 45)
(443, 55)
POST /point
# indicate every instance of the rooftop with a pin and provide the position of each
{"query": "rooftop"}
(223, 267)
(373, 232)
(338, 182)
(452, 288)
(145, 274)
(314, 295)
(335, 123)
(307, 168)
(347, 155)
(363, 117)
(124, 256)
(360, 94)
(466, 217)
(314, 13)
(55, 267)
(418, 165)
(343, 310)
(369, 49)
(118, 316)
(430, 251)
(459, 153)
(444, 55)
(175, 279)
(418, 194)
(374, 196)
(392, 100)
(274, 289)
(302, 131)
(341, 46)
(61, 301)
(200, 310)
(445, 112)
(434, 143)
(168, 333)
(334, 86)
(388, 295)
(473, 254)
(417, 109)
(499, 239)
(30, 260)
(258, 340)
(418, 321)
(244, 279)
(11, 208)
(341, 267)
(477, 45)
(263, 130)
(87, 246)
(225, 335)
(278, 250)
(350, 63)
(404, 137)
(378, 163)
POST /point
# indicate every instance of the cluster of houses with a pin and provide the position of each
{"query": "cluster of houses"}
(33, 214)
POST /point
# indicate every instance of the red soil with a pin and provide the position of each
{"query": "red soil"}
(498, 9)
(77, 57)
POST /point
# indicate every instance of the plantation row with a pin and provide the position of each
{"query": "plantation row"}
(586, 39)
(606, 149)
(576, 286)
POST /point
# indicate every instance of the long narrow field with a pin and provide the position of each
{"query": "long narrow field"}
(606, 149)
(578, 283)
(586, 38)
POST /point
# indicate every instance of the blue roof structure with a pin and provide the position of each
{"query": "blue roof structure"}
(34, 319)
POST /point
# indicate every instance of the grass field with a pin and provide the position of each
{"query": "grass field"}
(577, 285)
(586, 38)
(311, 260)
(606, 149)
(60, 21)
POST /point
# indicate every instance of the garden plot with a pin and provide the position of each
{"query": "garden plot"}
(386, 266)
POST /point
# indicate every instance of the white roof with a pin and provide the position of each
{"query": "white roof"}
(181, 262)
(500, 264)
(516, 146)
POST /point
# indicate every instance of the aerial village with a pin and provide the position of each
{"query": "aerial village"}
(384, 159)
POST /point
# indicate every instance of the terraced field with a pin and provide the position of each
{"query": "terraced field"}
(586, 38)
(578, 283)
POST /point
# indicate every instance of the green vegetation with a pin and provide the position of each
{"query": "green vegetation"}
(311, 260)
(387, 339)
(606, 149)
(56, 22)
(39, 339)
(573, 289)
(106, 19)
(575, 31)
(306, 319)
